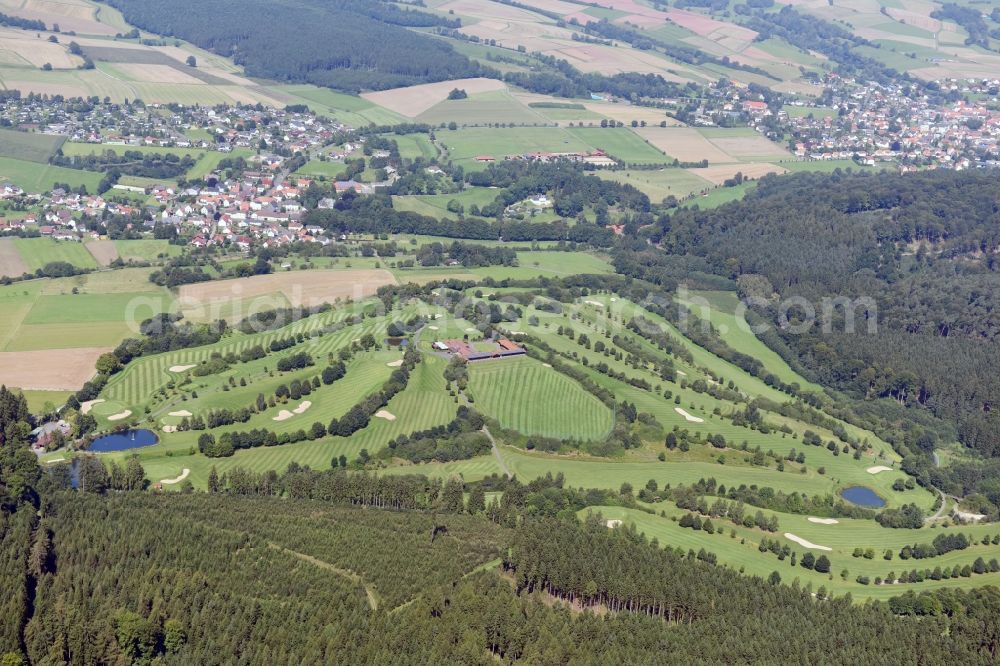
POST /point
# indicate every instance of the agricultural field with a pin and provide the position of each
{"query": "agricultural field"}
(51, 336)
(206, 161)
(36, 252)
(464, 145)
(436, 205)
(29, 146)
(483, 108)
(208, 301)
(662, 183)
(39, 177)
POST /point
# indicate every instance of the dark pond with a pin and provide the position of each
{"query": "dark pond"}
(862, 496)
(123, 441)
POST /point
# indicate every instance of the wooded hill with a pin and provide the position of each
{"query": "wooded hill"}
(346, 44)
(923, 246)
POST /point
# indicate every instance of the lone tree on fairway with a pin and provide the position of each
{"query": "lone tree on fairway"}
(191, 61)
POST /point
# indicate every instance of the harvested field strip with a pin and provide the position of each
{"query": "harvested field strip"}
(103, 251)
(50, 369)
(11, 263)
(312, 288)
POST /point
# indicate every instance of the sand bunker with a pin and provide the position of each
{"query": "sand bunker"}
(595, 304)
(180, 368)
(388, 416)
(181, 413)
(682, 373)
(613, 523)
(433, 328)
(689, 417)
(547, 365)
(823, 521)
(303, 406)
(805, 544)
(878, 468)
(395, 364)
(178, 479)
(283, 415)
(169, 428)
(121, 415)
(85, 407)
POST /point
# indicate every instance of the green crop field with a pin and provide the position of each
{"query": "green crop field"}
(36, 252)
(464, 145)
(348, 109)
(436, 205)
(518, 393)
(29, 146)
(660, 184)
(497, 106)
(621, 143)
(39, 177)
(412, 146)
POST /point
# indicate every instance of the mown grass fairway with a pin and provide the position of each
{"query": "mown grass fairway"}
(740, 552)
(525, 395)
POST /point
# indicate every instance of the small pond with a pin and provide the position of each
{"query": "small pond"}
(862, 496)
(123, 441)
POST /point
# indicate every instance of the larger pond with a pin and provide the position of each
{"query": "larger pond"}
(862, 496)
(123, 441)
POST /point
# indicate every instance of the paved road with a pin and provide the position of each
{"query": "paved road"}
(944, 503)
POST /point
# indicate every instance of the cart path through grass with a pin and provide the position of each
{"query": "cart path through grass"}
(496, 452)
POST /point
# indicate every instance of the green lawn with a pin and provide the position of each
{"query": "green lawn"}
(317, 168)
(146, 250)
(805, 111)
(520, 393)
(436, 205)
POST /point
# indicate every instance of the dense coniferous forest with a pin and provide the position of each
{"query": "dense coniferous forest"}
(923, 247)
(346, 44)
(112, 575)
